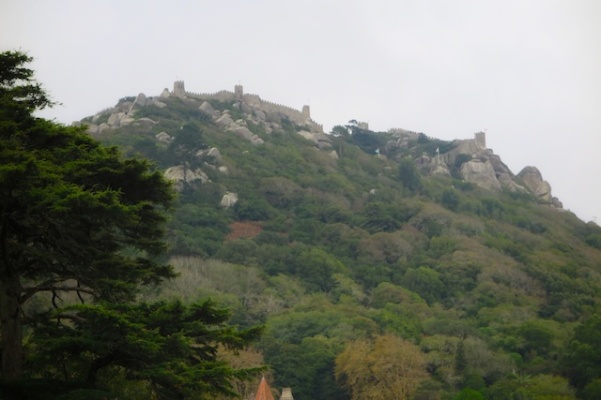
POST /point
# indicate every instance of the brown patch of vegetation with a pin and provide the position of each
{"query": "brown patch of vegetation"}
(244, 230)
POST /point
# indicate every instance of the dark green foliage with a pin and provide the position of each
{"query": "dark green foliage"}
(534, 227)
(186, 144)
(378, 218)
(469, 394)
(79, 223)
(307, 367)
(594, 239)
(491, 208)
(68, 209)
(537, 339)
(253, 208)
(381, 217)
(170, 345)
(450, 199)
(592, 391)
(409, 175)
(366, 140)
(425, 282)
(316, 267)
(582, 362)
(340, 130)
(458, 280)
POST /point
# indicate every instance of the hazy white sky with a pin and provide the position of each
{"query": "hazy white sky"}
(528, 72)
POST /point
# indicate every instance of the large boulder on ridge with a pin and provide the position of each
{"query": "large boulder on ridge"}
(481, 174)
(533, 180)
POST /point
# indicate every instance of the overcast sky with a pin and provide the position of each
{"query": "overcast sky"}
(528, 72)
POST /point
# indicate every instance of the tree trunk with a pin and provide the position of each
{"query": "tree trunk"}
(12, 333)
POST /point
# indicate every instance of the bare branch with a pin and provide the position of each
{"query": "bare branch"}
(54, 297)
(48, 286)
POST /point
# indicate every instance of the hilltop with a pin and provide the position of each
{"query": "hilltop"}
(474, 162)
(335, 240)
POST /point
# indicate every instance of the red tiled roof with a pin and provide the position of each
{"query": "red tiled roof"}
(264, 391)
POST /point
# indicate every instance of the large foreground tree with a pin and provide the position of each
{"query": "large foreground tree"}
(74, 215)
(77, 220)
(170, 346)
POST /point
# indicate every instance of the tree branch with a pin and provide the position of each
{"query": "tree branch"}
(49, 286)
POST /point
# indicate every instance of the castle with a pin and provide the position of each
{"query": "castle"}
(252, 102)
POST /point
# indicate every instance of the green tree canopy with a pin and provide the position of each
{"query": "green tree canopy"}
(387, 367)
(582, 362)
(79, 220)
(168, 344)
(409, 175)
(68, 209)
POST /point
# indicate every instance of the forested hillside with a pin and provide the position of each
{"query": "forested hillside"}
(374, 277)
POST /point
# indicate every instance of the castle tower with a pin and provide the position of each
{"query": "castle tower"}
(480, 139)
(178, 89)
(239, 92)
(286, 394)
(306, 112)
(264, 391)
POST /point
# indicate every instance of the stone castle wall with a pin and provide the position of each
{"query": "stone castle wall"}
(296, 116)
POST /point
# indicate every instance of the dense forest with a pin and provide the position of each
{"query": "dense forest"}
(367, 276)
(359, 261)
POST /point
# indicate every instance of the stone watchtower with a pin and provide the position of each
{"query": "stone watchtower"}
(239, 92)
(306, 112)
(178, 89)
(480, 139)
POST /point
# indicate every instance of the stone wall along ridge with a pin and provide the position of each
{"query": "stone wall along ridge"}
(222, 95)
(295, 115)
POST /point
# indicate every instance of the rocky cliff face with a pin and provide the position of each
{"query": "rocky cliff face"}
(474, 163)
(486, 169)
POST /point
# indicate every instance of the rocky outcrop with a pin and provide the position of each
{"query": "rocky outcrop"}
(183, 176)
(508, 183)
(224, 121)
(321, 140)
(439, 168)
(145, 122)
(481, 174)
(139, 102)
(483, 168)
(245, 133)
(115, 118)
(215, 154)
(206, 108)
(164, 137)
(103, 127)
(533, 180)
(229, 200)
(468, 147)
(158, 103)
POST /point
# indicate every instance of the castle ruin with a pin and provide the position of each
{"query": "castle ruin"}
(480, 139)
(253, 101)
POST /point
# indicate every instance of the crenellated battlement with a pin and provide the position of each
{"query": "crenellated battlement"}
(299, 117)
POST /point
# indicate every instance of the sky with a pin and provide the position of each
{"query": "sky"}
(526, 72)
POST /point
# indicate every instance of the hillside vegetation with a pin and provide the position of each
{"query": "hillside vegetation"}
(374, 277)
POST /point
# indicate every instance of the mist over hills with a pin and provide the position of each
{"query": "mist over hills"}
(341, 238)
